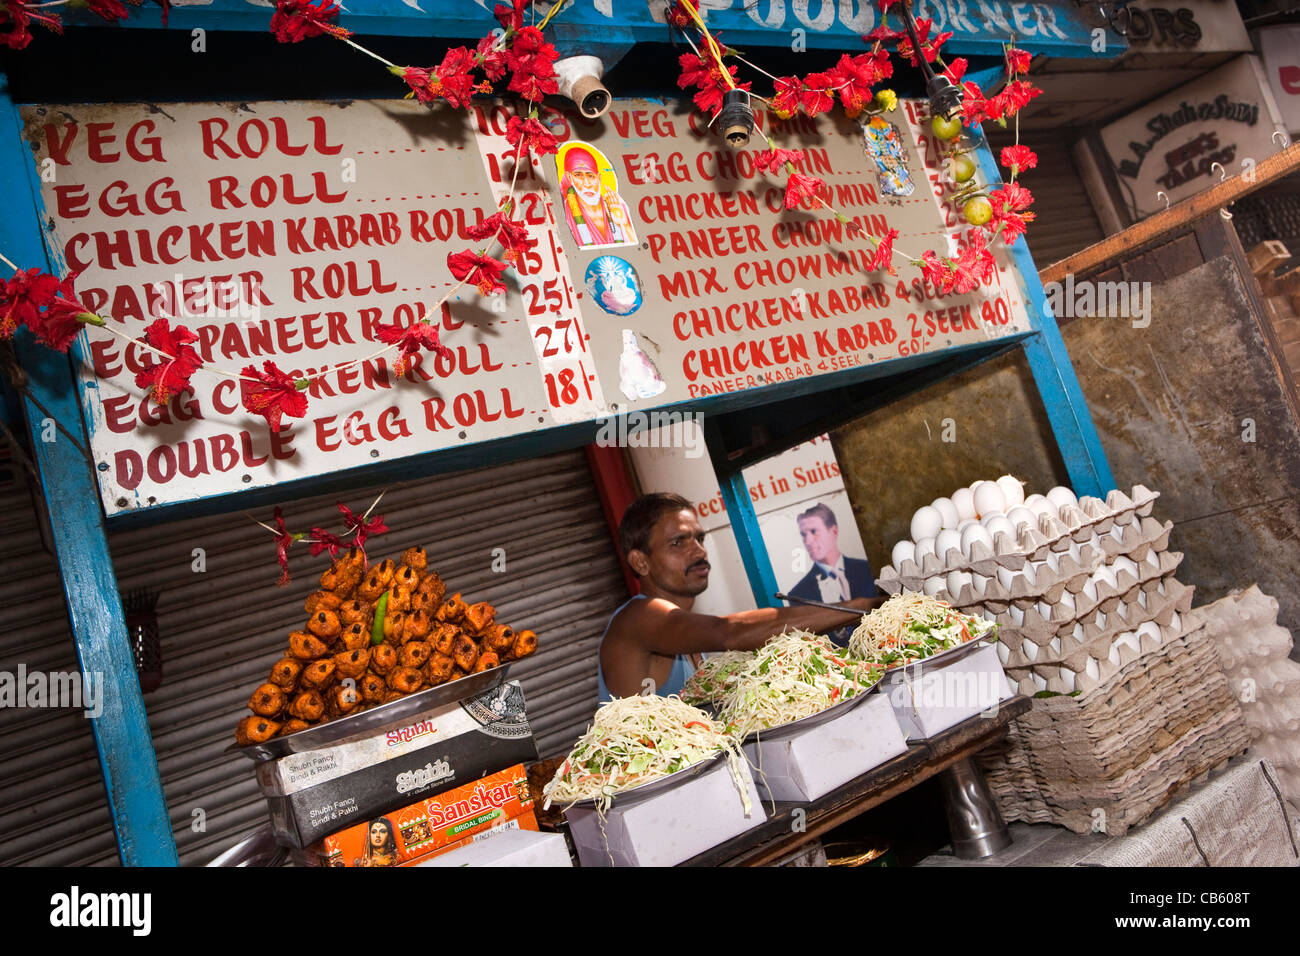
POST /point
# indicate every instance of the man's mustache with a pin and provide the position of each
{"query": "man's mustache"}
(700, 564)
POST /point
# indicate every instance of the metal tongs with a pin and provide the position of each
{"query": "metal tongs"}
(830, 607)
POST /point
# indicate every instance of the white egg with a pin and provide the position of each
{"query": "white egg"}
(1000, 525)
(903, 551)
(1105, 574)
(1123, 563)
(947, 511)
(1067, 601)
(1044, 610)
(934, 585)
(989, 516)
(1078, 631)
(1149, 629)
(1090, 589)
(1052, 560)
(1142, 598)
(963, 499)
(1175, 623)
(1117, 532)
(1067, 680)
(1021, 515)
(1060, 496)
(1091, 668)
(966, 523)
(1004, 652)
(926, 523)
(1005, 577)
(958, 580)
(1017, 615)
(1040, 682)
(1040, 505)
(989, 497)
(1029, 649)
(979, 582)
(974, 533)
(1013, 490)
(1055, 645)
(947, 540)
(1029, 574)
(1113, 656)
(923, 547)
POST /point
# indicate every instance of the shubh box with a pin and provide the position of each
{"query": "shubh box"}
(508, 848)
(320, 791)
(930, 698)
(668, 823)
(809, 763)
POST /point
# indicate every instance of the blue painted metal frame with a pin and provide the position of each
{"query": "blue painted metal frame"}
(130, 767)
(978, 27)
(744, 521)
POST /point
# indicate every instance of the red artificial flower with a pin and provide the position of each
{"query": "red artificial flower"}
(511, 233)
(64, 317)
(929, 49)
(478, 270)
(532, 64)
(491, 58)
(785, 101)
(800, 188)
(883, 34)
(420, 82)
(883, 257)
(296, 20)
(1015, 96)
(705, 75)
(1018, 61)
(956, 70)
(15, 20)
(974, 265)
(283, 538)
(886, 4)
(273, 394)
(819, 93)
(774, 160)
(938, 272)
(361, 528)
(678, 16)
(165, 379)
(511, 17)
(110, 10)
(322, 541)
(410, 339)
(1019, 158)
(453, 81)
(1009, 205)
(975, 108)
(22, 299)
(534, 135)
(853, 78)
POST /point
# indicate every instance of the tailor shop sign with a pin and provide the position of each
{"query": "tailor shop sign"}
(1184, 142)
(1200, 26)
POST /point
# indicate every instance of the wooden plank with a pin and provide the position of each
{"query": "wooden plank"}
(1267, 256)
(1175, 218)
(778, 836)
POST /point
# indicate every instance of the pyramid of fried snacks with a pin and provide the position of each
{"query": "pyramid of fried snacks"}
(333, 668)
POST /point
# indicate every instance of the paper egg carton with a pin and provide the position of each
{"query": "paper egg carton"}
(1139, 539)
(1073, 641)
(1081, 524)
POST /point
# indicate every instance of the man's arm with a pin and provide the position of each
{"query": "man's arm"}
(660, 627)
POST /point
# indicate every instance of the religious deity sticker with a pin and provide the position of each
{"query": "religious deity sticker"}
(637, 375)
(614, 285)
(597, 216)
(884, 145)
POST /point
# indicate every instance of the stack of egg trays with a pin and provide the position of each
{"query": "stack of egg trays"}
(1124, 746)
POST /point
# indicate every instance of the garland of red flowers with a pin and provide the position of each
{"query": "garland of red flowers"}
(49, 307)
(851, 81)
(320, 541)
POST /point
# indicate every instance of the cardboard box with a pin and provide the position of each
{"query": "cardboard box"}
(670, 825)
(509, 848)
(437, 824)
(935, 697)
(807, 764)
(321, 791)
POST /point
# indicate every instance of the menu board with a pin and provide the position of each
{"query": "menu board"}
(666, 271)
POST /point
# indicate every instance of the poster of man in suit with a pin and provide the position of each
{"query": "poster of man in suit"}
(834, 576)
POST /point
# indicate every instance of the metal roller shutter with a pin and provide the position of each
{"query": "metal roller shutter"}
(52, 806)
(224, 626)
(1065, 220)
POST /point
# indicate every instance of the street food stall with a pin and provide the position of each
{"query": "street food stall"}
(286, 296)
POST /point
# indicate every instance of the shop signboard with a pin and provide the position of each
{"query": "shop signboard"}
(666, 273)
(1188, 26)
(1280, 48)
(1219, 125)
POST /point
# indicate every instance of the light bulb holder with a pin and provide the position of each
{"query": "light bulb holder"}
(945, 96)
(736, 118)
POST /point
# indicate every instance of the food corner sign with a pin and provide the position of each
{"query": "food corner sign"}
(1172, 145)
(666, 271)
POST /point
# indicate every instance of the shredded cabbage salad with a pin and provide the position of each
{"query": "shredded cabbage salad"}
(711, 679)
(795, 674)
(634, 740)
(910, 627)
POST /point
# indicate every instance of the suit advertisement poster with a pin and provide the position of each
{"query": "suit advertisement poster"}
(804, 515)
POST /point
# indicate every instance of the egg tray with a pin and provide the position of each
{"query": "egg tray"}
(1074, 649)
(1011, 551)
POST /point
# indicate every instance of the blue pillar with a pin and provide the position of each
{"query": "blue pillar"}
(744, 521)
(126, 754)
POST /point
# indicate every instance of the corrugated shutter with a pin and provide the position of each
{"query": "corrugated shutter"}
(1065, 220)
(52, 806)
(224, 627)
